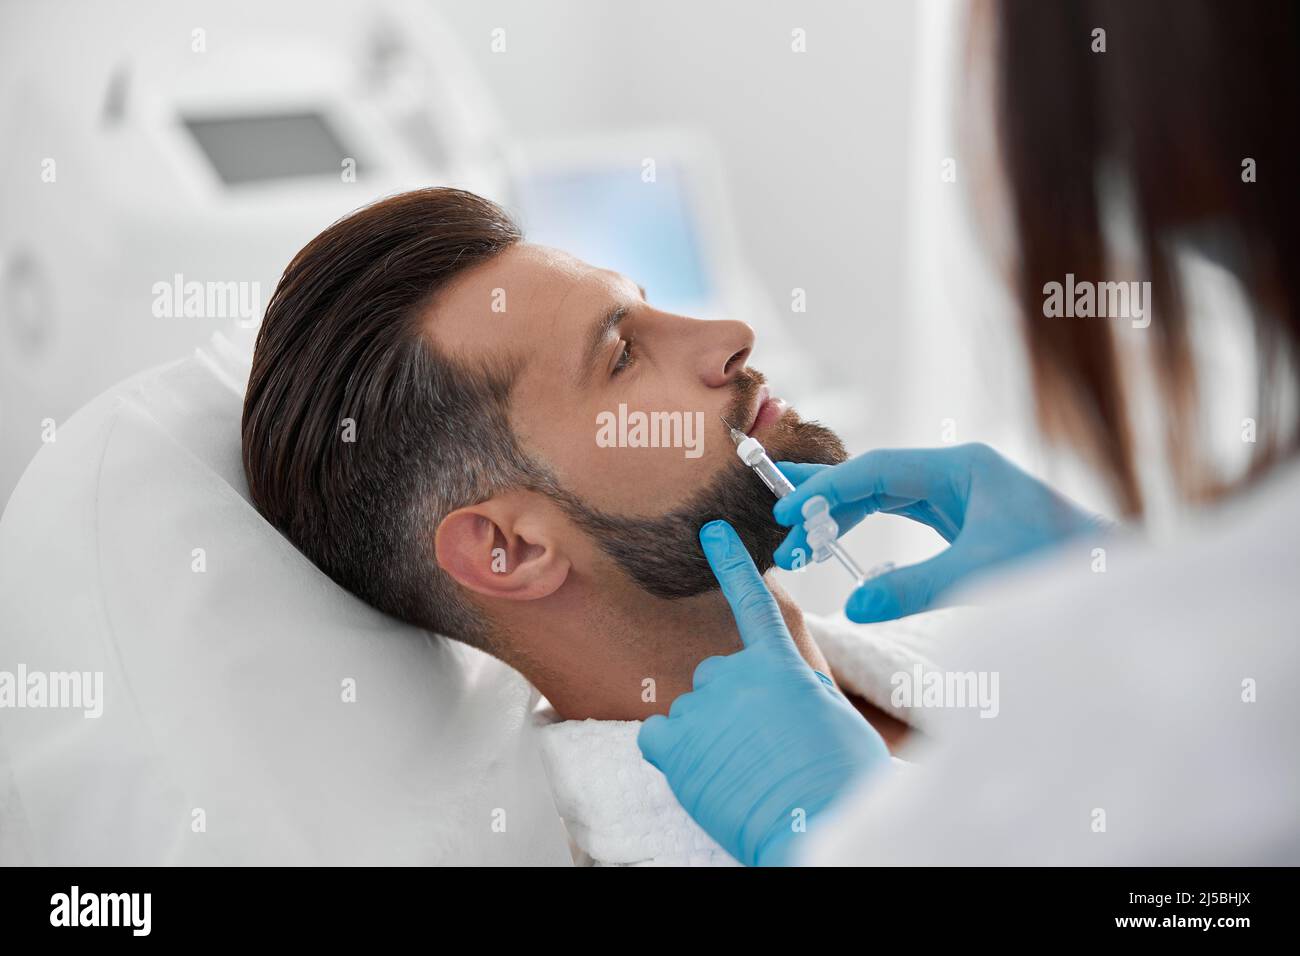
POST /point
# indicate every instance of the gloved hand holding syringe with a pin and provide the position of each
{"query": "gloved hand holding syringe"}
(819, 526)
(761, 732)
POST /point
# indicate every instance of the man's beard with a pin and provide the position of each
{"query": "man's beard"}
(662, 554)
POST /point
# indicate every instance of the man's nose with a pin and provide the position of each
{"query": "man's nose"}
(727, 347)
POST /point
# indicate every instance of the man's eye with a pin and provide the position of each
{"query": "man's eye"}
(625, 357)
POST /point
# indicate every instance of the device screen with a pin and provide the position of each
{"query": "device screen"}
(606, 215)
(248, 149)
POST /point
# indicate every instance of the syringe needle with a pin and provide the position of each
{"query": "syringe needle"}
(737, 436)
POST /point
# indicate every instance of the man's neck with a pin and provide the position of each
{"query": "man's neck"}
(631, 655)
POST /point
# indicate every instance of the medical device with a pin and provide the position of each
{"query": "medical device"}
(818, 523)
(189, 151)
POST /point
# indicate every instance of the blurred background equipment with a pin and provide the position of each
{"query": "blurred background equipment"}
(156, 142)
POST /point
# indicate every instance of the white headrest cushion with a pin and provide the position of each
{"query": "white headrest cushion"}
(227, 735)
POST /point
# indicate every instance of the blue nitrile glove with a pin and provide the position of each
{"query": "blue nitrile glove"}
(764, 743)
(986, 508)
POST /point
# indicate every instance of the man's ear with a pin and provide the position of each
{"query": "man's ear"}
(502, 548)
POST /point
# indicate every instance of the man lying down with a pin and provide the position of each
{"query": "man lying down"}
(428, 419)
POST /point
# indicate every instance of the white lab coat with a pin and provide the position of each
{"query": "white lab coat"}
(1149, 714)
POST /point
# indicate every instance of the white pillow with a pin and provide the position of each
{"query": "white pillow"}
(223, 689)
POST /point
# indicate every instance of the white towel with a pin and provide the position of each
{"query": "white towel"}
(620, 811)
(865, 657)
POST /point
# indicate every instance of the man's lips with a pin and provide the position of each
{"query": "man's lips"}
(768, 410)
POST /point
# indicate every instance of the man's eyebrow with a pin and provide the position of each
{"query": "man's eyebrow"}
(600, 330)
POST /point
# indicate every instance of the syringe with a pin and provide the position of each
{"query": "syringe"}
(751, 451)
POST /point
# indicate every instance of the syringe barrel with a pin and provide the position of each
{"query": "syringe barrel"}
(752, 453)
(778, 483)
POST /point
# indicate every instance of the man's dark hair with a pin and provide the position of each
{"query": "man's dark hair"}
(358, 436)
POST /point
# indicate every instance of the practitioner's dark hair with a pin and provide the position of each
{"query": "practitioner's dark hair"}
(1192, 110)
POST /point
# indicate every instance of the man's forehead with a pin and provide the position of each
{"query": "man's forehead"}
(519, 299)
